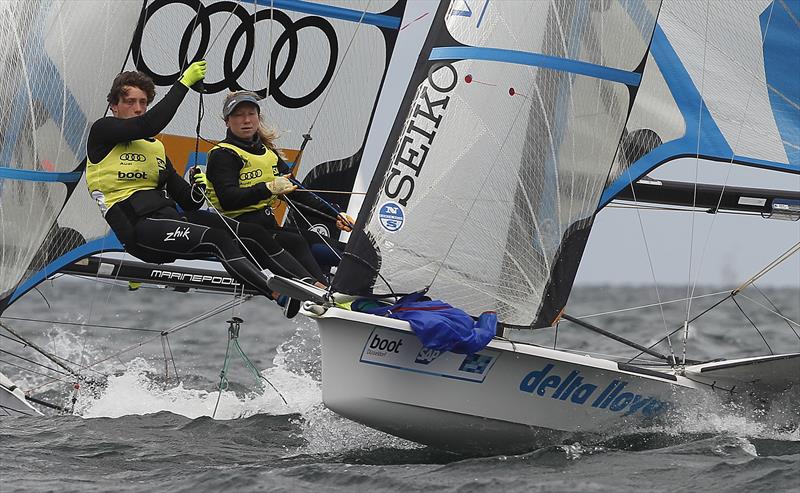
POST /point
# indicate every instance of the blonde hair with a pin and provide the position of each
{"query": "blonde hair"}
(268, 135)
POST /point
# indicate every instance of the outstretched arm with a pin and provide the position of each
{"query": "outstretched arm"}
(110, 131)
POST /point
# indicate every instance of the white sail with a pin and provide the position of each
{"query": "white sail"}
(58, 58)
(491, 179)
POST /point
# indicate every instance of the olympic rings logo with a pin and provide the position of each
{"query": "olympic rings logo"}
(133, 156)
(246, 28)
(250, 175)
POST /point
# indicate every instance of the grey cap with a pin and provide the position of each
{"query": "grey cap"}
(232, 103)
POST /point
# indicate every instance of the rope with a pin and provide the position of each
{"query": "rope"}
(233, 342)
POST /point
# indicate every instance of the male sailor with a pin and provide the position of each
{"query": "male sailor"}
(151, 209)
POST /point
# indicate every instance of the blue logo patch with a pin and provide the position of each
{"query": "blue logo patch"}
(475, 363)
(391, 216)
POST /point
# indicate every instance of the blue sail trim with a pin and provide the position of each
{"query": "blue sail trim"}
(536, 60)
(781, 52)
(41, 176)
(696, 117)
(712, 144)
(108, 243)
(333, 12)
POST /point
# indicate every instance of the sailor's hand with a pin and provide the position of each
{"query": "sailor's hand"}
(281, 185)
(194, 73)
(200, 179)
(345, 222)
(197, 177)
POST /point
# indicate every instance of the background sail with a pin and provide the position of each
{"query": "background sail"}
(58, 58)
(719, 85)
(488, 186)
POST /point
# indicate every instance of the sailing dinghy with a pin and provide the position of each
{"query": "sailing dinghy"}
(485, 136)
(519, 122)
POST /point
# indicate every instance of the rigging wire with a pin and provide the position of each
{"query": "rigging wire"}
(79, 324)
(196, 319)
(752, 323)
(652, 273)
(35, 363)
(38, 349)
(758, 275)
(681, 326)
(650, 305)
(689, 290)
(786, 319)
(730, 163)
(28, 370)
(339, 66)
(663, 208)
(776, 311)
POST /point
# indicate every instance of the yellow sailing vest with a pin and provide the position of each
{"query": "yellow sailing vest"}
(128, 168)
(255, 169)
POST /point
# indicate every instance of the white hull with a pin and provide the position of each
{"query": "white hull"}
(12, 400)
(375, 371)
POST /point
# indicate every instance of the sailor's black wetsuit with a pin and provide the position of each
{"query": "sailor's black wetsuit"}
(224, 173)
(142, 210)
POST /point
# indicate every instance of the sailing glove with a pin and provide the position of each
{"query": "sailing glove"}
(194, 73)
(199, 178)
(281, 185)
(345, 222)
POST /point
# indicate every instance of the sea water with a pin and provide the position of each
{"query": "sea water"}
(161, 423)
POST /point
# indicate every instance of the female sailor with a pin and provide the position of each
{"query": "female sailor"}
(246, 174)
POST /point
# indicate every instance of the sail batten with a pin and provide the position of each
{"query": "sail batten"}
(536, 60)
(39, 176)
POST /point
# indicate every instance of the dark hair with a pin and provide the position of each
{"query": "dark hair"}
(133, 79)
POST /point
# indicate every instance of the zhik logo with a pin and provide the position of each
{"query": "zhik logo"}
(178, 233)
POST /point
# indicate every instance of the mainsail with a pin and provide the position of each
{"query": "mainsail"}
(320, 67)
(58, 58)
(487, 187)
